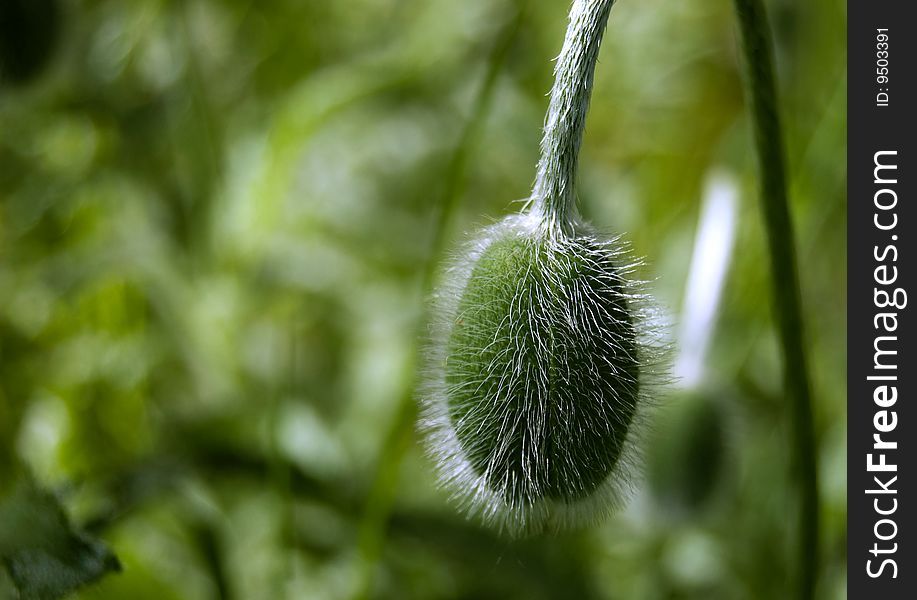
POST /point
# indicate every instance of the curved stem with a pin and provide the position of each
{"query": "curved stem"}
(762, 95)
(554, 194)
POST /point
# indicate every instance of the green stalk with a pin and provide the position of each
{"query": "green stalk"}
(554, 194)
(757, 49)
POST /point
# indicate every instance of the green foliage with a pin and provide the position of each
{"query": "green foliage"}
(44, 557)
(215, 220)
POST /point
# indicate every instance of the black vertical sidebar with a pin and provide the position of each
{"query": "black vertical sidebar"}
(882, 370)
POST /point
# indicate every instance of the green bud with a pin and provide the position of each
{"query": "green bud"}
(535, 381)
(537, 370)
(686, 456)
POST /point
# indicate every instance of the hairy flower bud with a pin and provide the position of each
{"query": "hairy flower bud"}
(537, 363)
(535, 374)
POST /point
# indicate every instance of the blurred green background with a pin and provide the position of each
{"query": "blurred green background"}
(216, 223)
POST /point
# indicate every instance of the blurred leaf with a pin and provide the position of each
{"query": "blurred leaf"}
(42, 553)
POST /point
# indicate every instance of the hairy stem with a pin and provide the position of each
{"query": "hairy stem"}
(762, 95)
(554, 194)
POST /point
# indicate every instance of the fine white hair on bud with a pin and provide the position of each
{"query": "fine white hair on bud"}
(536, 376)
(541, 342)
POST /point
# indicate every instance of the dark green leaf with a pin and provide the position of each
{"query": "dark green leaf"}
(45, 558)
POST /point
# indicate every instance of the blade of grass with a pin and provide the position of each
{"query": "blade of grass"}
(761, 91)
